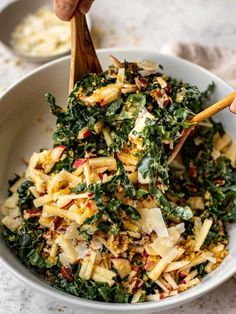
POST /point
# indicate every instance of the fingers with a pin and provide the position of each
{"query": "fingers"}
(85, 5)
(233, 106)
(64, 9)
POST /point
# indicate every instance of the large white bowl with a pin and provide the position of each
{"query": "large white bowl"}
(26, 126)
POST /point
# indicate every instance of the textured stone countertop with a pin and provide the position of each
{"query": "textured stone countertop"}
(133, 23)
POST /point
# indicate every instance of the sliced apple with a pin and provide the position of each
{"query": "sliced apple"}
(57, 152)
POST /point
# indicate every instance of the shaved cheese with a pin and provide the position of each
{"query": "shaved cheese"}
(68, 248)
(82, 249)
(157, 222)
(202, 234)
(72, 231)
(140, 123)
(41, 33)
(64, 260)
(152, 220)
(162, 246)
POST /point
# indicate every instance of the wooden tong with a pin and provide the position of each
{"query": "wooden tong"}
(83, 55)
(201, 116)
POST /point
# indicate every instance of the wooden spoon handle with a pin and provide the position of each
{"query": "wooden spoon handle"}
(83, 56)
(201, 116)
(218, 106)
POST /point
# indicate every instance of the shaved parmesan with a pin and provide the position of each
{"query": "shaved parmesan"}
(82, 249)
(140, 123)
(152, 220)
(68, 248)
(157, 223)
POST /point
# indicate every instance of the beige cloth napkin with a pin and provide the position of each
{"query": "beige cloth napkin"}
(220, 61)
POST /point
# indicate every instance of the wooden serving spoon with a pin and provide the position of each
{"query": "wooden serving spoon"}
(201, 116)
(83, 56)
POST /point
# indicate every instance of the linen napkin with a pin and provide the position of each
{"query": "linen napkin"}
(220, 61)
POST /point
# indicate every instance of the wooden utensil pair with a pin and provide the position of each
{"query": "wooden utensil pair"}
(84, 60)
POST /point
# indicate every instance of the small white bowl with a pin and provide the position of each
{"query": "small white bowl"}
(25, 127)
(12, 15)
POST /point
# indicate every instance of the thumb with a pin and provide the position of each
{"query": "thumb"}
(64, 9)
(233, 106)
(85, 5)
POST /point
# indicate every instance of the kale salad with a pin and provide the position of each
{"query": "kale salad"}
(102, 215)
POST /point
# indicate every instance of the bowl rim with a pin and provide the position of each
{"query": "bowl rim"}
(97, 305)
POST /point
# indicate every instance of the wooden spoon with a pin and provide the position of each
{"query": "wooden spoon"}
(83, 56)
(201, 116)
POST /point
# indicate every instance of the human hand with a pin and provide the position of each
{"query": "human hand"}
(65, 9)
(233, 106)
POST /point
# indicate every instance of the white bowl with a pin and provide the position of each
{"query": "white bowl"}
(25, 127)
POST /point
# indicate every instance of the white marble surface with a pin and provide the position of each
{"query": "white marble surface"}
(133, 23)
